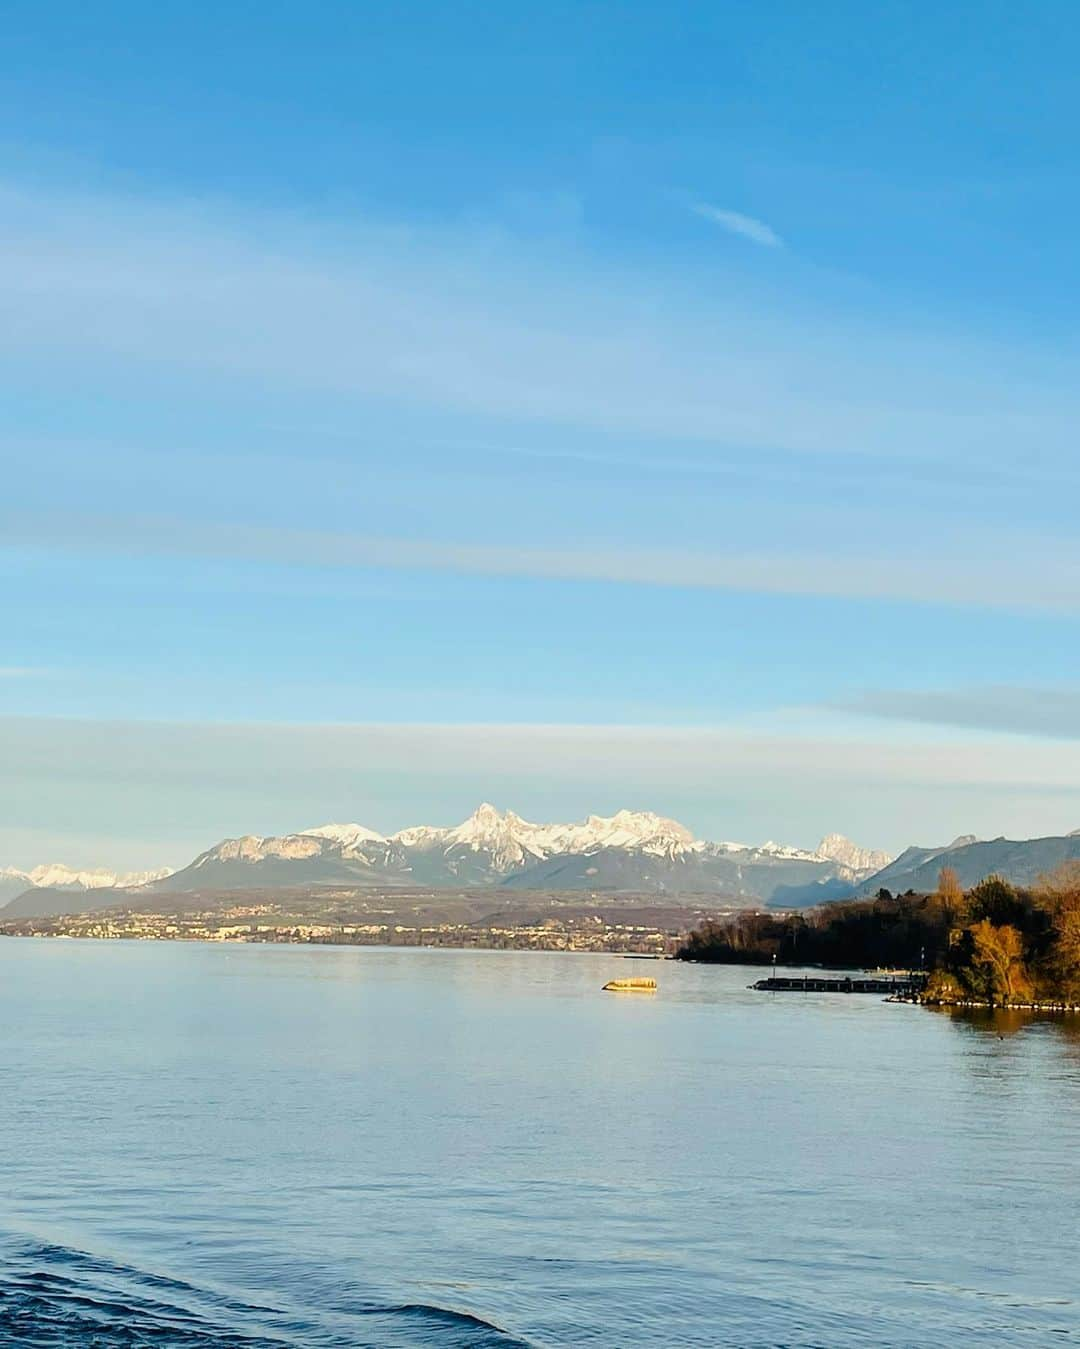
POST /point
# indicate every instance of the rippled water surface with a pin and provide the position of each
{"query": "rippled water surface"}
(266, 1146)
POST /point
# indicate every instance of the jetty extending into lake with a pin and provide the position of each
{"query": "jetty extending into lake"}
(888, 984)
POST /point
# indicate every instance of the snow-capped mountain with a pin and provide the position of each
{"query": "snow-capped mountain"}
(509, 843)
(57, 876)
(348, 835)
(71, 881)
(13, 883)
(505, 841)
(837, 848)
(630, 851)
(631, 829)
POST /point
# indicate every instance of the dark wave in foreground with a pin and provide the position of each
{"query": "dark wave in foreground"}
(52, 1295)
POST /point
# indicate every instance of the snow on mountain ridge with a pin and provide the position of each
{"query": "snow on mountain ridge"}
(786, 851)
(507, 838)
(837, 848)
(55, 875)
(421, 836)
(512, 841)
(491, 846)
(509, 842)
(348, 835)
(636, 829)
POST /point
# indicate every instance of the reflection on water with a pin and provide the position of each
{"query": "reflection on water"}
(1004, 1022)
(255, 1145)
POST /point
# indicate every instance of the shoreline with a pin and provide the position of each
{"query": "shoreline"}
(232, 941)
(1071, 1008)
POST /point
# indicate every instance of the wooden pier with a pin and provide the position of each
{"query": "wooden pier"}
(813, 983)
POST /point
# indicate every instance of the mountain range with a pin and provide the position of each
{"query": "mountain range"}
(629, 852)
(1019, 861)
(56, 876)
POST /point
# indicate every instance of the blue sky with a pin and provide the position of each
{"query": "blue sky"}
(575, 405)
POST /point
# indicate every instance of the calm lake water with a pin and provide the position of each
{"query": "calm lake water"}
(240, 1145)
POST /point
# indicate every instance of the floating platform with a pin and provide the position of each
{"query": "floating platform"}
(813, 983)
(630, 986)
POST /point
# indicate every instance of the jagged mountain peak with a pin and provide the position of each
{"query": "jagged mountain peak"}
(255, 848)
(487, 821)
(629, 850)
(58, 876)
(492, 843)
(506, 838)
(486, 813)
(838, 848)
(643, 824)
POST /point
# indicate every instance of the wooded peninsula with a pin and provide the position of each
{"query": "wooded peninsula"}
(996, 944)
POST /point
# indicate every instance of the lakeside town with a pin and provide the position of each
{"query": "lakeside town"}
(627, 925)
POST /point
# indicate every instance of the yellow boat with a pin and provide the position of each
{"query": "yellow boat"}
(630, 986)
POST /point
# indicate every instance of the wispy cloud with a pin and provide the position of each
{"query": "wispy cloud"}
(982, 581)
(746, 226)
(364, 321)
(478, 325)
(1049, 712)
(149, 793)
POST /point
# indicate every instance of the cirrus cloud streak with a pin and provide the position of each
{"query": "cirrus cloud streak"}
(1041, 583)
(746, 226)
